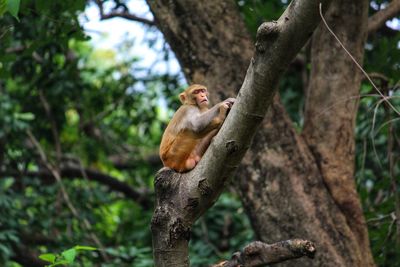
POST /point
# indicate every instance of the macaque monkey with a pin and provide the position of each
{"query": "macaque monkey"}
(191, 129)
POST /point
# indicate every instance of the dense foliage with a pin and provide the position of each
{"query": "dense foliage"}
(71, 111)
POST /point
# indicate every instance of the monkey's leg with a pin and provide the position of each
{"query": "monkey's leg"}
(204, 143)
(190, 163)
(198, 152)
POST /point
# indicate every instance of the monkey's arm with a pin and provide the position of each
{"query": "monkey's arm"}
(200, 121)
(204, 122)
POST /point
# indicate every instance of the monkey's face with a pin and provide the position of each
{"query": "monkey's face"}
(201, 97)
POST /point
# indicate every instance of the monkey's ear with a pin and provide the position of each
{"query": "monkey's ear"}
(182, 98)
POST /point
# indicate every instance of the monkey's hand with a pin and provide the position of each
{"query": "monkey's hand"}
(225, 106)
(230, 101)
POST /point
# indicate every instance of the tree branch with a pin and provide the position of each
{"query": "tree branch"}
(330, 111)
(54, 130)
(125, 161)
(376, 21)
(124, 14)
(128, 16)
(276, 45)
(378, 76)
(139, 196)
(182, 198)
(259, 254)
(55, 171)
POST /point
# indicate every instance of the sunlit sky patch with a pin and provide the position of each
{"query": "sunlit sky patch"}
(108, 34)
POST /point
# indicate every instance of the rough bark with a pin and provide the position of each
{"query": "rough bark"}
(379, 19)
(279, 181)
(209, 43)
(260, 254)
(285, 197)
(331, 109)
(182, 198)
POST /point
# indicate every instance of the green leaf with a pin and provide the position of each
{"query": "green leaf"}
(3, 8)
(25, 116)
(77, 5)
(43, 5)
(6, 183)
(48, 257)
(61, 262)
(69, 255)
(13, 7)
(84, 248)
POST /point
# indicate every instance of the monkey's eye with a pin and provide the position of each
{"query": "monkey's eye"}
(198, 91)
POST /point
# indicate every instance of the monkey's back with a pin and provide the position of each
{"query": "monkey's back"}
(179, 141)
(176, 148)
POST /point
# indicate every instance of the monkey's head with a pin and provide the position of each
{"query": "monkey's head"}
(195, 94)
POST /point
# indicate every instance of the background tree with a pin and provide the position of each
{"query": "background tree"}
(65, 109)
(295, 173)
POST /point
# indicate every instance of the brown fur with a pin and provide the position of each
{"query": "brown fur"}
(191, 129)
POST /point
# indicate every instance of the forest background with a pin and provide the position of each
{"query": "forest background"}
(80, 128)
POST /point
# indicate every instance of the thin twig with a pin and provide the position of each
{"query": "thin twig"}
(364, 156)
(206, 238)
(379, 218)
(344, 99)
(124, 14)
(65, 195)
(386, 123)
(373, 130)
(390, 151)
(53, 124)
(385, 98)
(394, 219)
(380, 18)
(6, 30)
(380, 76)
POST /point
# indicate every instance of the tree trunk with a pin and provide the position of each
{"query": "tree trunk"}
(331, 110)
(280, 180)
